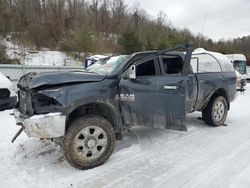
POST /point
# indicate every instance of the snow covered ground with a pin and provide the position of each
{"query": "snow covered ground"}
(202, 157)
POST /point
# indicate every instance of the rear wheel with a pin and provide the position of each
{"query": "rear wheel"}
(215, 112)
(89, 142)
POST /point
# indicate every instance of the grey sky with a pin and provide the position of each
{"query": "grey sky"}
(225, 19)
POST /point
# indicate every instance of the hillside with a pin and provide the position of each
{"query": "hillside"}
(98, 26)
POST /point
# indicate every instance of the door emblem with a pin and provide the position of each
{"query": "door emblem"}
(126, 97)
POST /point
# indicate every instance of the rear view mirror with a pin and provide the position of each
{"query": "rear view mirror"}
(132, 72)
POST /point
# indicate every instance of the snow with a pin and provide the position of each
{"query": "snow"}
(201, 157)
(46, 58)
(34, 57)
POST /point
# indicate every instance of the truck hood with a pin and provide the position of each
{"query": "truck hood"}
(34, 80)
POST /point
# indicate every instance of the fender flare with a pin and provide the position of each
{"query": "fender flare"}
(112, 105)
(219, 91)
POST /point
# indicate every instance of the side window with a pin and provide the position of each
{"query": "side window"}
(146, 68)
(172, 64)
(207, 63)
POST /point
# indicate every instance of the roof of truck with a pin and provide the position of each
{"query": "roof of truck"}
(235, 57)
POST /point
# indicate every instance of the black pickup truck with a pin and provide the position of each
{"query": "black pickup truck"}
(88, 110)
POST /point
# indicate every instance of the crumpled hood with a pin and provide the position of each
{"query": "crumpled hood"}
(34, 80)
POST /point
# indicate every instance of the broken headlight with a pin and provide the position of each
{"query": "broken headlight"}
(44, 104)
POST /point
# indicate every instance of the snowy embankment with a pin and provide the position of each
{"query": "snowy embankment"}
(202, 157)
(43, 57)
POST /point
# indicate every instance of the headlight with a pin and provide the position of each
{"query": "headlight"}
(44, 104)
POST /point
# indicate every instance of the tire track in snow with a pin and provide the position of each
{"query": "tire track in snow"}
(204, 158)
(137, 167)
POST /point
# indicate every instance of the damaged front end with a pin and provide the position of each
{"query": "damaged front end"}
(42, 126)
(39, 112)
(40, 115)
(42, 99)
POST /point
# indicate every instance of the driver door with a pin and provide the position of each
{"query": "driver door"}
(153, 99)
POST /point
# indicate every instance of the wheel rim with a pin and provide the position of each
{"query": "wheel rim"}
(90, 143)
(219, 111)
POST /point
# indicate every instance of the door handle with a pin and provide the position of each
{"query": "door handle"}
(170, 87)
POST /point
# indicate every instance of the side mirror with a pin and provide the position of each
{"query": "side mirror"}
(132, 72)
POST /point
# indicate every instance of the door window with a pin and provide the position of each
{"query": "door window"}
(146, 68)
(172, 64)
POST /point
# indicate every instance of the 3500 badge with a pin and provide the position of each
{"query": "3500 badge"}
(126, 97)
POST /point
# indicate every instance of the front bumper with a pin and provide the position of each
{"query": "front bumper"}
(42, 126)
(8, 103)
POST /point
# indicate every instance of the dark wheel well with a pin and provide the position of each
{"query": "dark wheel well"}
(98, 109)
(221, 92)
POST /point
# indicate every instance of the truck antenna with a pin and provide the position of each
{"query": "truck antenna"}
(205, 21)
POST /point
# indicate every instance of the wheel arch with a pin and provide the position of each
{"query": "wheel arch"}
(106, 110)
(218, 92)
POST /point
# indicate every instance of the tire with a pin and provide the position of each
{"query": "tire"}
(216, 111)
(89, 142)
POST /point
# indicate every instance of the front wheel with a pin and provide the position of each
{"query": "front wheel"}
(89, 142)
(215, 112)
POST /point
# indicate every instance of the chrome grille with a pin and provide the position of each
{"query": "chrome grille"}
(22, 97)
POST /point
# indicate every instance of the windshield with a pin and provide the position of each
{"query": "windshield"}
(108, 65)
(240, 66)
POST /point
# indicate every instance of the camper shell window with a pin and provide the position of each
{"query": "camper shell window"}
(202, 63)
